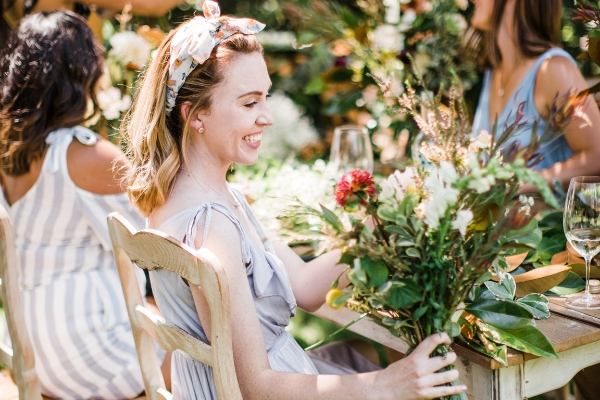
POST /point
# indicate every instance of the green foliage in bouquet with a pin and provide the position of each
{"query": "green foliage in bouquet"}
(422, 245)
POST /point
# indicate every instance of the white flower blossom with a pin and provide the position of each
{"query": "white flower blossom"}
(291, 130)
(463, 219)
(407, 20)
(440, 197)
(447, 172)
(112, 104)
(462, 4)
(388, 38)
(482, 141)
(129, 47)
(397, 184)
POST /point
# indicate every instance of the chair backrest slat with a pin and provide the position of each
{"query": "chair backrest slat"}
(152, 249)
(21, 357)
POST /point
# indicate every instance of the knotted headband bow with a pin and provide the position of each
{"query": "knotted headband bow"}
(193, 43)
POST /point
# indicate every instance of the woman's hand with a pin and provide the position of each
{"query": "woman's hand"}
(416, 377)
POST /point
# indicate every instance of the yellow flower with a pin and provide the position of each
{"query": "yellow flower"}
(332, 296)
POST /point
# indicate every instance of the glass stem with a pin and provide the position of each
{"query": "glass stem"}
(588, 260)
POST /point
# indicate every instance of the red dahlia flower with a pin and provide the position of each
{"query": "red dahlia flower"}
(354, 189)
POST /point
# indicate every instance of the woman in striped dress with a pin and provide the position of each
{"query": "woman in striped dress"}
(59, 184)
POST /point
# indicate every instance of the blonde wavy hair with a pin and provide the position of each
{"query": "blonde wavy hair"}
(155, 141)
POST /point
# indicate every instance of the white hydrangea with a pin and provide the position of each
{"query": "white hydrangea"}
(463, 219)
(129, 47)
(290, 131)
(112, 104)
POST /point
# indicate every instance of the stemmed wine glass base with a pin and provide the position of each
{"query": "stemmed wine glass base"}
(585, 301)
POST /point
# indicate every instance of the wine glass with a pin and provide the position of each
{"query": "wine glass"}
(582, 228)
(351, 149)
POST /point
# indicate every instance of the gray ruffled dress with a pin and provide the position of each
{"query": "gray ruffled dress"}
(273, 298)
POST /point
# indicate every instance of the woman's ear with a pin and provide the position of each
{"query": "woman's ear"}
(195, 121)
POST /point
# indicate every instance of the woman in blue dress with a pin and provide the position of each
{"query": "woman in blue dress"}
(203, 106)
(526, 64)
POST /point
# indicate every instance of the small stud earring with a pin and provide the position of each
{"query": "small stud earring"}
(201, 130)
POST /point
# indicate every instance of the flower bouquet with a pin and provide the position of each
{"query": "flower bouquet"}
(422, 246)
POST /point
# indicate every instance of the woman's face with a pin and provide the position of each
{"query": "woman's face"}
(238, 113)
(482, 16)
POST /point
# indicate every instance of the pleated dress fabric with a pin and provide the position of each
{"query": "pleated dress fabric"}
(72, 297)
(556, 151)
(271, 291)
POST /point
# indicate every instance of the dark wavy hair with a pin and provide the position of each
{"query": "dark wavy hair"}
(537, 26)
(48, 71)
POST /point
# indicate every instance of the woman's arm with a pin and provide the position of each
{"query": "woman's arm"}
(154, 8)
(557, 76)
(411, 378)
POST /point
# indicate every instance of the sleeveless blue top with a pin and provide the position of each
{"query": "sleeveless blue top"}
(554, 152)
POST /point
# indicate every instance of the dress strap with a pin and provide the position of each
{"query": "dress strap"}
(59, 141)
(207, 208)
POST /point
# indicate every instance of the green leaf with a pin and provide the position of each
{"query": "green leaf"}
(552, 219)
(420, 312)
(376, 271)
(395, 229)
(573, 283)
(404, 294)
(485, 277)
(408, 204)
(499, 354)
(405, 243)
(504, 314)
(357, 275)
(452, 329)
(505, 290)
(386, 213)
(528, 238)
(332, 219)
(537, 304)
(341, 300)
(315, 86)
(528, 339)
(412, 252)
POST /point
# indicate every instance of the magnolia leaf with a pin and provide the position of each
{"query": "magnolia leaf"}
(594, 49)
(579, 269)
(527, 339)
(515, 260)
(551, 220)
(560, 258)
(504, 290)
(529, 239)
(505, 314)
(537, 304)
(540, 280)
(333, 219)
(376, 271)
(499, 354)
(571, 284)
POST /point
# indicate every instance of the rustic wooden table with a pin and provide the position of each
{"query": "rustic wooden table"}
(574, 335)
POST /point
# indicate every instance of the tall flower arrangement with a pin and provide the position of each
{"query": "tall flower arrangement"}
(424, 243)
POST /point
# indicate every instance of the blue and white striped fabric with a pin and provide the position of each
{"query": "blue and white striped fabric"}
(70, 287)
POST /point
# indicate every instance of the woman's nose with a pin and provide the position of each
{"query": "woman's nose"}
(265, 118)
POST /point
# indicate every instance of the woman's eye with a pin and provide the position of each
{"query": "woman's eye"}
(250, 105)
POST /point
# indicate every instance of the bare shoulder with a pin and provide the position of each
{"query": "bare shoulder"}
(222, 237)
(98, 168)
(560, 74)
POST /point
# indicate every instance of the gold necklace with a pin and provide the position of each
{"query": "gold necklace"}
(502, 87)
(233, 203)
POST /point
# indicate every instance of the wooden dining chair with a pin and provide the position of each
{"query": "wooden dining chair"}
(20, 356)
(151, 249)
